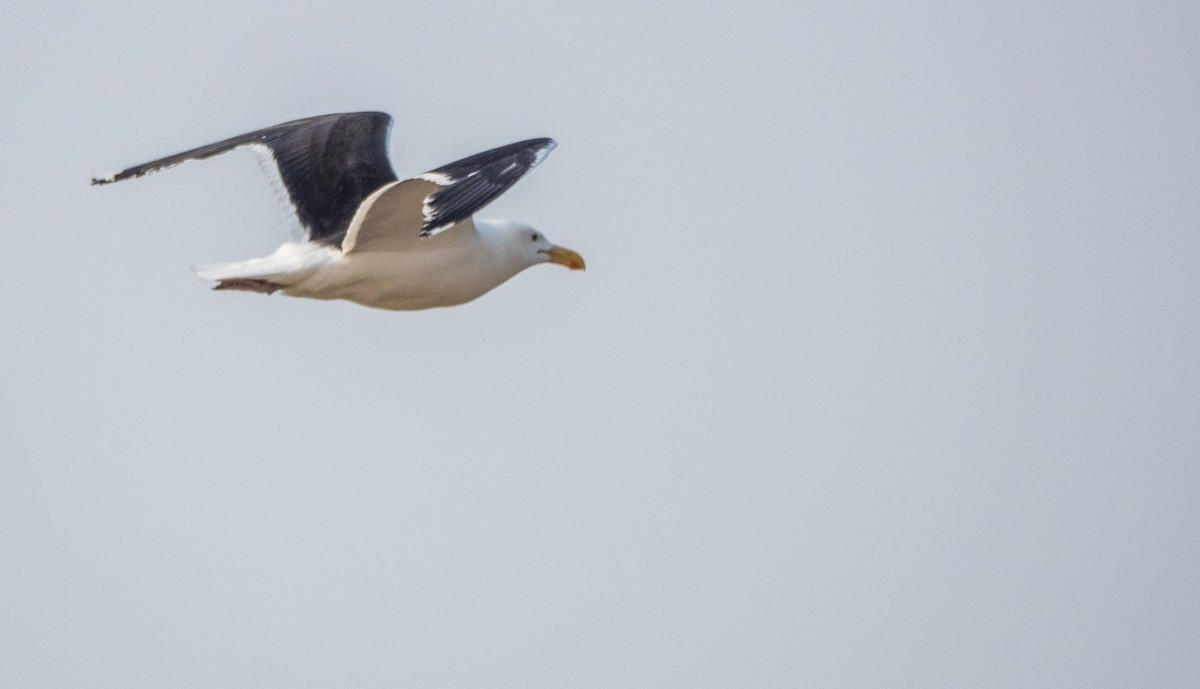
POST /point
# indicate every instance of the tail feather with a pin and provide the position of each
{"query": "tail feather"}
(255, 268)
(261, 286)
(280, 268)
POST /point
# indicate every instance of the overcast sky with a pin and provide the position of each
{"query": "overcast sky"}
(883, 372)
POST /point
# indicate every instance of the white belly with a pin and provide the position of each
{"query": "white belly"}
(402, 281)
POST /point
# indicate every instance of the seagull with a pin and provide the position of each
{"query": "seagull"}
(369, 237)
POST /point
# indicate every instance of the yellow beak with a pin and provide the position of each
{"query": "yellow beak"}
(565, 257)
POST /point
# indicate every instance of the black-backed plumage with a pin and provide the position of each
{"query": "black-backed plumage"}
(329, 164)
(475, 181)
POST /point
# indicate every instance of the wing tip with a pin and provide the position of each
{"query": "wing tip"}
(105, 179)
(544, 147)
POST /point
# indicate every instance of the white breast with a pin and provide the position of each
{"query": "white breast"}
(438, 274)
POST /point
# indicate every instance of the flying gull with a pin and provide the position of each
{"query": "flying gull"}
(370, 237)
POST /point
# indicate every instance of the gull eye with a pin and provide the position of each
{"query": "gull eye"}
(535, 236)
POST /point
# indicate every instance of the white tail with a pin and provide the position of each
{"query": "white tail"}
(288, 260)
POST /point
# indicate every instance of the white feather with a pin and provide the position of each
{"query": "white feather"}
(288, 263)
(270, 167)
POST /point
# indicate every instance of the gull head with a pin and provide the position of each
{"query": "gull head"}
(533, 247)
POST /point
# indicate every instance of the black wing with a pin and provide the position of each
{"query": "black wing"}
(467, 185)
(328, 165)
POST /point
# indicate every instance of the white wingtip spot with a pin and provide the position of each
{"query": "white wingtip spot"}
(437, 178)
(542, 152)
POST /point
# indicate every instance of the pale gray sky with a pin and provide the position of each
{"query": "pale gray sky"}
(883, 374)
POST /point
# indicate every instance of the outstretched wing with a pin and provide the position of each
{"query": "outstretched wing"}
(391, 220)
(400, 214)
(465, 186)
(328, 165)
